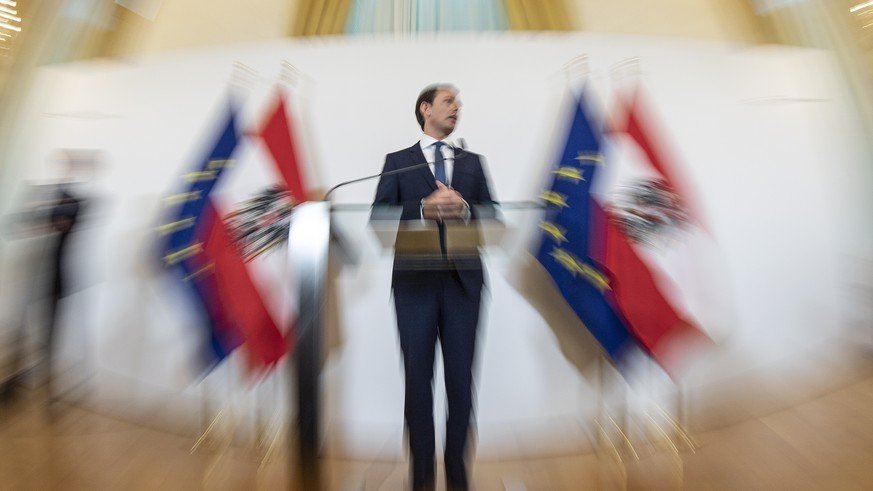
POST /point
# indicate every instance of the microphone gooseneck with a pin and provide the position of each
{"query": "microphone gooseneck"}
(460, 151)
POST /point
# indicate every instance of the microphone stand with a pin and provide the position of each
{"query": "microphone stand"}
(381, 174)
(460, 151)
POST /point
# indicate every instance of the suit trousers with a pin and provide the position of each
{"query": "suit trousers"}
(437, 309)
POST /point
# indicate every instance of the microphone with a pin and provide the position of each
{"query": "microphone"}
(460, 151)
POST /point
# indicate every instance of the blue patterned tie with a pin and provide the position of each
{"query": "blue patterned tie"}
(439, 164)
(439, 172)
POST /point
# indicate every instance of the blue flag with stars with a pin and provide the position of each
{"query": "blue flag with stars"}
(570, 229)
(185, 241)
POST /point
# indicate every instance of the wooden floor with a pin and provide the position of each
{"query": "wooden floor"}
(821, 444)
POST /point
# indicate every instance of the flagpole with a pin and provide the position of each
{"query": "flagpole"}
(618, 446)
(577, 68)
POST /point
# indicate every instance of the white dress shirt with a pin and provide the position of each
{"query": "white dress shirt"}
(427, 148)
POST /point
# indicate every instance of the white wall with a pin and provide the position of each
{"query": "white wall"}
(767, 135)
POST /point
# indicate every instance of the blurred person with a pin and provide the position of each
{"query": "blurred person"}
(63, 220)
(439, 302)
(56, 212)
(27, 233)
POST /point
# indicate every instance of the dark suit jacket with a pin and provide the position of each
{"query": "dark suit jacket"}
(407, 189)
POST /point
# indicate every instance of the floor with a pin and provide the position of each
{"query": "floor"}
(825, 443)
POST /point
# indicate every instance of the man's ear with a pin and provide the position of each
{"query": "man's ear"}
(423, 107)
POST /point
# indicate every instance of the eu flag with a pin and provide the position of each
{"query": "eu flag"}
(186, 236)
(571, 230)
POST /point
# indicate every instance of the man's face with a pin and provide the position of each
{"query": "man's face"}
(442, 116)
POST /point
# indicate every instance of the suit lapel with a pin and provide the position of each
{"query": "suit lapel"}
(416, 156)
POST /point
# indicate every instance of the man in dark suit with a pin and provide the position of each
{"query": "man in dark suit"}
(437, 298)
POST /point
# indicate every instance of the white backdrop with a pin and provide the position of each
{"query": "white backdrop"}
(767, 135)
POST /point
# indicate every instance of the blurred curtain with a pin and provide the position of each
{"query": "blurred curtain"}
(538, 15)
(327, 17)
(321, 17)
(414, 16)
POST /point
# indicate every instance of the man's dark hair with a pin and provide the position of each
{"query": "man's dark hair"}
(427, 95)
